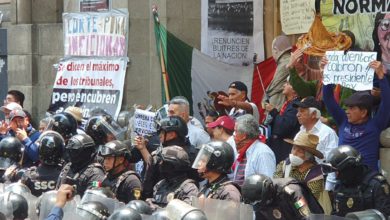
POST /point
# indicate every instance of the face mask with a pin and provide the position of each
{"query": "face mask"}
(295, 161)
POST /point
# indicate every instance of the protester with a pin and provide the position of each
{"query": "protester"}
(283, 123)
(281, 48)
(254, 157)
(238, 101)
(356, 127)
(211, 116)
(222, 130)
(301, 164)
(179, 106)
(14, 96)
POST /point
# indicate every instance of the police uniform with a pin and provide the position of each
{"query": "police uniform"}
(82, 178)
(371, 193)
(293, 200)
(41, 179)
(126, 186)
(175, 188)
(222, 188)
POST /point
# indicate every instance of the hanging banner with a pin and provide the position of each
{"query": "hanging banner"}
(350, 69)
(96, 33)
(89, 83)
(232, 30)
(296, 16)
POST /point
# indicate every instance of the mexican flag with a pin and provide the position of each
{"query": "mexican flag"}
(189, 73)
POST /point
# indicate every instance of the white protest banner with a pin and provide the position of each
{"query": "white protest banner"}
(349, 69)
(232, 30)
(144, 122)
(89, 83)
(296, 16)
(96, 33)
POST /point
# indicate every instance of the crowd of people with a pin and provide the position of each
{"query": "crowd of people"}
(315, 158)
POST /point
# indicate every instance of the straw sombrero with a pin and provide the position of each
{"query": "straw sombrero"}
(307, 142)
(318, 40)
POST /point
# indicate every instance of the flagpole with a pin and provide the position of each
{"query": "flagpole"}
(162, 60)
(261, 79)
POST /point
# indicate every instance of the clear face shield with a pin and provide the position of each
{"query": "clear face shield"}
(47, 201)
(203, 157)
(112, 130)
(6, 207)
(5, 163)
(111, 204)
(23, 190)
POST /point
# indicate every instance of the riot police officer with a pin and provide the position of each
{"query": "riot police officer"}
(125, 183)
(82, 170)
(63, 123)
(359, 188)
(93, 210)
(283, 198)
(10, 158)
(173, 166)
(172, 132)
(44, 177)
(125, 213)
(214, 162)
(14, 206)
(103, 129)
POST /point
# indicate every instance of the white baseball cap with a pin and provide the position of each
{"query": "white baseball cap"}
(11, 106)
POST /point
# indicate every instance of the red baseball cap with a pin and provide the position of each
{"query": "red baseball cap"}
(223, 121)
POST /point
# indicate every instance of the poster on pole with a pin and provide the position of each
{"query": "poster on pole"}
(89, 83)
(232, 30)
(350, 69)
(296, 16)
(144, 122)
(96, 33)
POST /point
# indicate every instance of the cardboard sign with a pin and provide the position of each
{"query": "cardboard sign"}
(350, 69)
(144, 122)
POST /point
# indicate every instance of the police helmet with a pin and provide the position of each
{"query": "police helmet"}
(174, 158)
(173, 123)
(344, 156)
(103, 128)
(114, 148)
(257, 189)
(65, 124)
(141, 206)
(216, 155)
(93, 210)
(19, 205)
(125, 214)
(10, 151)
(51, 146)
(80, 148)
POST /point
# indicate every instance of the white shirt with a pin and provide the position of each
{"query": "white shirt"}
(328, 140)
(236, 113)
(232, 143)
(197, 136)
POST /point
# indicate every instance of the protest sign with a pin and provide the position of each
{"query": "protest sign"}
(350, 69)
(232, 30)
(96, 33)
(296, 16)
(346, 7)
(89, 83)
(144, 122)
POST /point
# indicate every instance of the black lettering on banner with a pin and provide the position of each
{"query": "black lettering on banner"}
(360, 6)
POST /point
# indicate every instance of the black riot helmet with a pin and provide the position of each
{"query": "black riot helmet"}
(114, 148)
(93, 210)
(17, 203)
(344, 156)
(103, 128)
(10, 151)
(141, 206)
(174, 161)
(80, 149)
(125, 214)
(51, 146)
(258, 189)
(216, 155)
(173, 123)
(63, 123)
